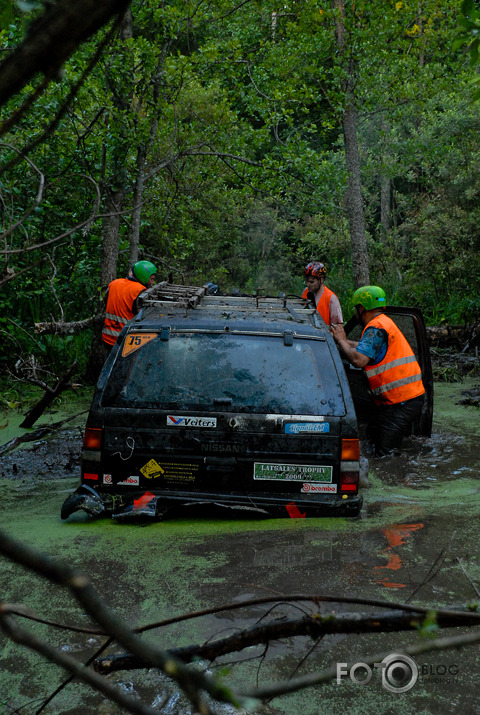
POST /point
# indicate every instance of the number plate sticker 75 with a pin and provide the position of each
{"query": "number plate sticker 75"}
(134, 341)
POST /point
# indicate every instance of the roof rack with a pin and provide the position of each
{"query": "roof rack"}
(167, 296)
(171, 295)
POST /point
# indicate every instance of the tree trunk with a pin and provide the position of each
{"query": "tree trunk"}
(142, 154)
(385, 205)
(354, 201)
(110, 229)
(137, 205)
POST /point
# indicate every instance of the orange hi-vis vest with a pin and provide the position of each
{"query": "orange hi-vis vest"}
(398, 376)
(121, 296)
(323, 305)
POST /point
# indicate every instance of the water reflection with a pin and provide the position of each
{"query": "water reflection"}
(395, 536)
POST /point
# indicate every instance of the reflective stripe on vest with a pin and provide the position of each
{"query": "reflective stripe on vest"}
(396, 383)
(398, 377)
(122, 294)
(389, 365)
(111, 331)
(117, 318)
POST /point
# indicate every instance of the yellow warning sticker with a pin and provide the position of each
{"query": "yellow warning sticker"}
(134, 341)
(152, 470)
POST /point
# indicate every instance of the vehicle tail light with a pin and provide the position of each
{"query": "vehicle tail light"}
(91, 456)
(350, 450)
(92, 439)
(91, 475)
(349, 465)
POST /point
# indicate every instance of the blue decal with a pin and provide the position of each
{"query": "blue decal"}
(306, 427)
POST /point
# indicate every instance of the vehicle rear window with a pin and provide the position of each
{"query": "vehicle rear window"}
(227, 372)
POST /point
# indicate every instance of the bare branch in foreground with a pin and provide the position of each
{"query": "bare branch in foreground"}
(52, 38)
(314, 626)
(30, 640)
(325, 676)
(192, 682)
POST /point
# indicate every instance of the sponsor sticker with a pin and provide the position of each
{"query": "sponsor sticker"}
(130, 481)
(133, 481)
(134, 341)
(292, 472)
(181, 421)
(152, 470)
(305, 427)
(324, 488)
(180, 472)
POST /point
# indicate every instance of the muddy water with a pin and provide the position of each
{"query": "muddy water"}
(416, 540)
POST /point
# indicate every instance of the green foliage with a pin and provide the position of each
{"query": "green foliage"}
(238, 115)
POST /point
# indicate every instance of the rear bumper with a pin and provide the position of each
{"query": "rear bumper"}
(162, 503)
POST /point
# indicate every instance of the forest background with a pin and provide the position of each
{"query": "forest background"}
(233, 142)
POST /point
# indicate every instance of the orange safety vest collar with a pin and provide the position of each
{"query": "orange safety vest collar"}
(323, 305)
(398, 377)
(122, 293)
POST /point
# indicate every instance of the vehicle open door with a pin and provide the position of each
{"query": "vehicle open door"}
(411, 323)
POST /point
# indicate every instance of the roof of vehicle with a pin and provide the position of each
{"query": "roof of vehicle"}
(192, 305)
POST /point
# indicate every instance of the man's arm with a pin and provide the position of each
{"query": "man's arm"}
(348, 347)
(335, 310)
(135, 304)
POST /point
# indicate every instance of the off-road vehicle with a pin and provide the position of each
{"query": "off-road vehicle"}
(235, 401)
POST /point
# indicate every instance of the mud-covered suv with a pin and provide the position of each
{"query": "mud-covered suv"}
(237, 401)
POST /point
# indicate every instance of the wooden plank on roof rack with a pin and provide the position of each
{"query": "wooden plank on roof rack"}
(170, 294)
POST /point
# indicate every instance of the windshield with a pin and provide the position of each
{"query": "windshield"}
(226, 372)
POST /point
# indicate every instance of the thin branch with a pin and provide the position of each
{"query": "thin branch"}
(11, 276)
(38, 198)
(474, 617)
(468, 577)
(93, 216)
(314, 626)
(63, 685)
(325, 676)
(190, 680)
(30, 640)
(18, 114)
(230, 12)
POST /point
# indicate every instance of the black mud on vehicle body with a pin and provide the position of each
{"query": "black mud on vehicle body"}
(242, 404)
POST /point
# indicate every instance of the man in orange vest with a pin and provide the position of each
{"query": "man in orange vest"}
(325, 299)
(121, 299)
(393, 373)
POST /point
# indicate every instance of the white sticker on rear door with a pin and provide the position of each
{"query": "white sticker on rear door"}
(324, 488)
(292, 472)
(179, 421)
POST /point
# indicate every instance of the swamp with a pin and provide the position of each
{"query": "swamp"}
(415, 542)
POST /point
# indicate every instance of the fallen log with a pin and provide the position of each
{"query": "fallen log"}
(48, 397)
(63, 328)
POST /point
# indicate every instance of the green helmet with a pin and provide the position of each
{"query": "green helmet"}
(143, 270)
(370, 297)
